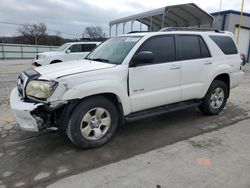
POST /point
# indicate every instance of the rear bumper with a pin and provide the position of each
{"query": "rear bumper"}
(236, 78)
(22, 112)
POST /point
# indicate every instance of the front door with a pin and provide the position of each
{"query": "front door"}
(75, 53)
(156, 84)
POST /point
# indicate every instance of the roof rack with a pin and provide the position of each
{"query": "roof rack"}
(138, 32)
(189, 29)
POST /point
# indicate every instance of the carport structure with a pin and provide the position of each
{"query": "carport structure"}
(184, 15)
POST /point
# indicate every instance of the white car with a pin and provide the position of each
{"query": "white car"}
(128, 78)
(66, 52)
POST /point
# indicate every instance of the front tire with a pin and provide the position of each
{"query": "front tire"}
(93, 122)
(215, 98)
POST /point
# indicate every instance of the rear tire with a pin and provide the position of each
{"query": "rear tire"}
(93, 122)
(215, 98)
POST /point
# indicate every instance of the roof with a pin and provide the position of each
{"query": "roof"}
(184, 15)
(229, 12)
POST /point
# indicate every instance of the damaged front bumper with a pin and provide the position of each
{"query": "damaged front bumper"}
(30, 116)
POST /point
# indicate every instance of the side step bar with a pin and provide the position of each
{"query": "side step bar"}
(161, 110)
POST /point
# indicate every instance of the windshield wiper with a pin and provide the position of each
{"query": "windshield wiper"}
(101, 60)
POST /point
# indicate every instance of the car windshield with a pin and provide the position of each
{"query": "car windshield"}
(114, 50)
(63, 47)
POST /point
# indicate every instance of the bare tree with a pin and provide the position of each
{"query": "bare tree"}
(33, 32)
(94, 32)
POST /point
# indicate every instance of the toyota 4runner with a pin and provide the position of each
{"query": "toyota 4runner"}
(127, 78)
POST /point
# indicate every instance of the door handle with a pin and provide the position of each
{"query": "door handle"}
(208, 63)
(174, 67)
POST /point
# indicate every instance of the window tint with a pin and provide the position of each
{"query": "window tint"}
(75, 48)
(204, 50)
(189, 47)
(226, 44)
(163, 48)
(88, 47)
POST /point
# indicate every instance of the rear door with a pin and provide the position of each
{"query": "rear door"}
(156, 84)
(196, 62)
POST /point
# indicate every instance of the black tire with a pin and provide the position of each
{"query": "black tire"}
(206, 107)
(74, 128)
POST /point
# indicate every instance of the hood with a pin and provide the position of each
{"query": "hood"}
(54, 71)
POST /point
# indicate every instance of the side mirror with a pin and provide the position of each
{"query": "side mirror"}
(144, 57)
(68, 51)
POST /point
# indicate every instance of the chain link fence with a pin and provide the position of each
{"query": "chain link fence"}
(22, 51)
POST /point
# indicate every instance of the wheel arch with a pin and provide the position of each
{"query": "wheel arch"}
(224, 77)
(55, 61)
(67, 109)
(221, 72)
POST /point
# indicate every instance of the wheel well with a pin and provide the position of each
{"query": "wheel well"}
(55, 61)
(116, 101)
(65, 112)
(224, 78)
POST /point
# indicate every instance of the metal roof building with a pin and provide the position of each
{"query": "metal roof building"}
(184, 15)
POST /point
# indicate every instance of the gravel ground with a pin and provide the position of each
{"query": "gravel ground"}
(39, 159)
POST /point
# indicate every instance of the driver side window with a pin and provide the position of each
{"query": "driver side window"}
(75, 48)
(162, 47)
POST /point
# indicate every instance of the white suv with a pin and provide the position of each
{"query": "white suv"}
(66, 52)
(127, 78)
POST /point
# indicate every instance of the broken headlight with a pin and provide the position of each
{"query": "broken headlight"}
(40, 89)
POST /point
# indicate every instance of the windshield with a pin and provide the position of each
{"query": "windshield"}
(114, 50)
(63, 47)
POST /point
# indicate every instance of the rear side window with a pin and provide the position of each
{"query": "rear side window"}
(192, 47)
(88, 47)
(226, 44)
(163, 48)
(204, 50)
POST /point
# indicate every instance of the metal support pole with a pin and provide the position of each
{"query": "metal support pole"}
(151, 23)
(123, 27)
(110, 26)
(140, 25)
(132, 24)
(35, 39)
(163, 20)
(240, 22)
(3, 52)
(116, 29)
(22, 51)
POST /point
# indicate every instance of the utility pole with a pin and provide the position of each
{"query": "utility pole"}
(220, 20)
(240, 22)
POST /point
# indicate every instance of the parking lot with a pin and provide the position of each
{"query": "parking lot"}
(39, 159)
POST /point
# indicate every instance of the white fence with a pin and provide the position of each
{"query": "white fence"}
(22, 51)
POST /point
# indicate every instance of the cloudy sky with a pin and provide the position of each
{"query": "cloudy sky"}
(71, 17)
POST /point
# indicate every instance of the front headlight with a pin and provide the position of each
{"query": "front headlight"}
(40, 89)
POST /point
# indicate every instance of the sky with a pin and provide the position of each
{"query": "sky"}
(71, 17)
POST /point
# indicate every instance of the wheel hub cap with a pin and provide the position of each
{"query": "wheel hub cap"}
(217, 98)
(95, 123)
